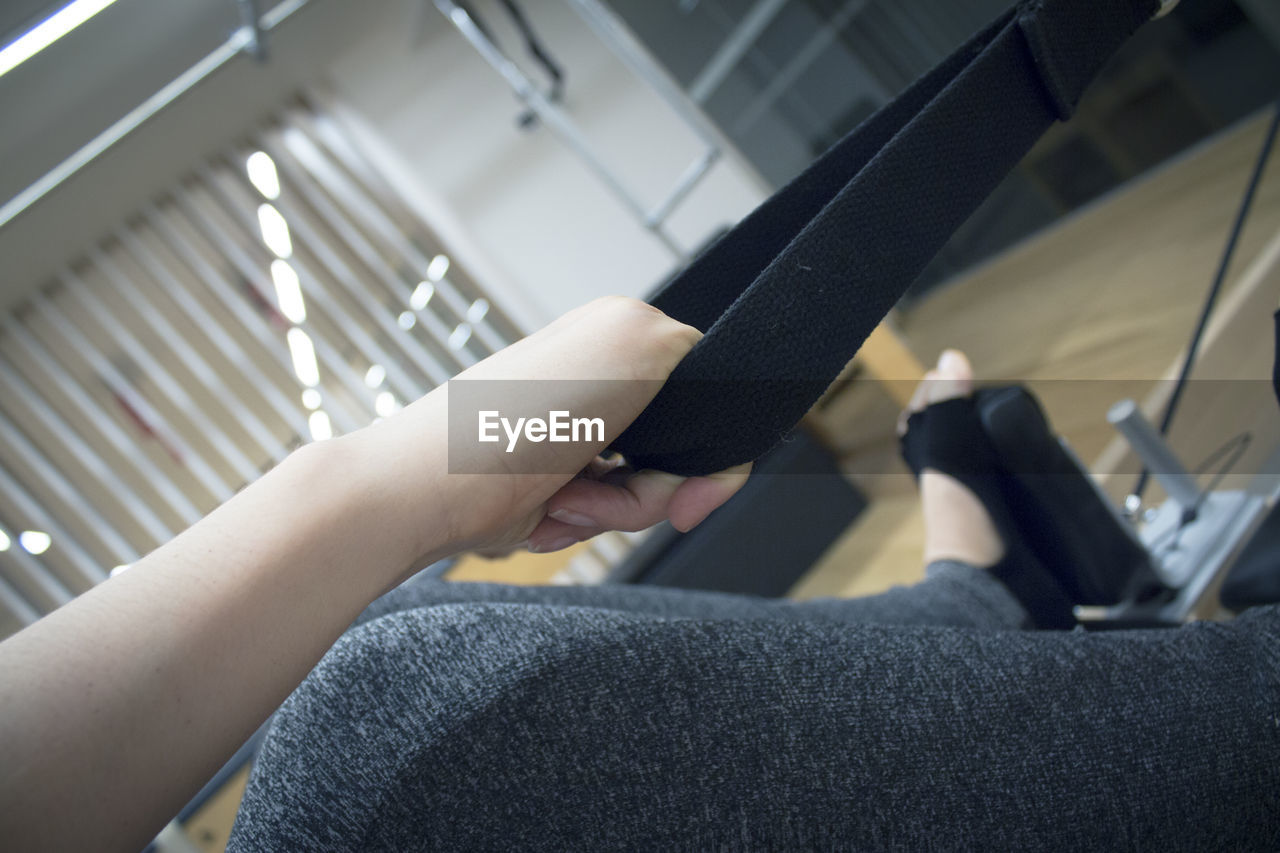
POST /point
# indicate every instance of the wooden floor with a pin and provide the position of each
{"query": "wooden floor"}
(1096, 310)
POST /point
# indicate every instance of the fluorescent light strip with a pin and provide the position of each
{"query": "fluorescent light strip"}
(321, 427)
(385, 404)
(35, 541)
(275, 231)
(263, 175)
(303, 353)
(48, 31)
(288, 292)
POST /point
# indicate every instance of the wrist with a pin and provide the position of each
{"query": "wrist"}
(399, 468)
(376, 498)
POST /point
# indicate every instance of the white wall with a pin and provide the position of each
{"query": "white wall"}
(538, 220)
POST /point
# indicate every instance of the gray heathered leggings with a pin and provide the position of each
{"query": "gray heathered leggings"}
(478, 717)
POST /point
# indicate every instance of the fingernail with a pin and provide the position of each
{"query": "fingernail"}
(568, 516)
(553, 545)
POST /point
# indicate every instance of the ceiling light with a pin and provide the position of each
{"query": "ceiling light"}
(35, 541)
(478, 310)
(48, 31)
(320, 426)
(4, 541)
(311, 399)
(437, 268)
(421, 295)
(288, 292)
(275, 231)
(263, 175)
(375, 375)
(407, 320)
(303, 353)
(458, 339)
(385, 404)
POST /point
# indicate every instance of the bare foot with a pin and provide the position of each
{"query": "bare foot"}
(956, 525)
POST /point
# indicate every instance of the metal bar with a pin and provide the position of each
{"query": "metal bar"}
(554, 119)
(1150, 446)
(136, 117)
(222, 340)
(90, 569)
(158, 373)
(87, 456)
(234, 252)
(765, 68)
(373, 259)
(251, 20)
(244, 416)
(122, 387)
(66, 492)
(693, 173)
(800, 63)
(93, 413)
(618, 36)
(17, 604)
(733, 48)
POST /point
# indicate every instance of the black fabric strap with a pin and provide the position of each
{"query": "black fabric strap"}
(787, 297)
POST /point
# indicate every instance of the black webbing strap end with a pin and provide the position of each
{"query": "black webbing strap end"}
(1070, 48)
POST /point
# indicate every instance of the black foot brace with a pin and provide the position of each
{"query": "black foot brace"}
(948, 437)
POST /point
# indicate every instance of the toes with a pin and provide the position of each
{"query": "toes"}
(954, 377)
(919, 399)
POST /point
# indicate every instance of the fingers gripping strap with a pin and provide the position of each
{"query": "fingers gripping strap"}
(788, 296)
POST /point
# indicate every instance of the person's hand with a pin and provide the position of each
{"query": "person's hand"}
(545, 495)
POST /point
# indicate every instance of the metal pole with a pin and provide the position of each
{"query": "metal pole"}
(1154, 453)
(725, 59)
(97, 146)
(801, 62)
(251, 20)
(634, 55)
(555, 119)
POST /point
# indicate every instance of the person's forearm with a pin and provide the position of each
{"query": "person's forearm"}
(116, 708)
(136, 692)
